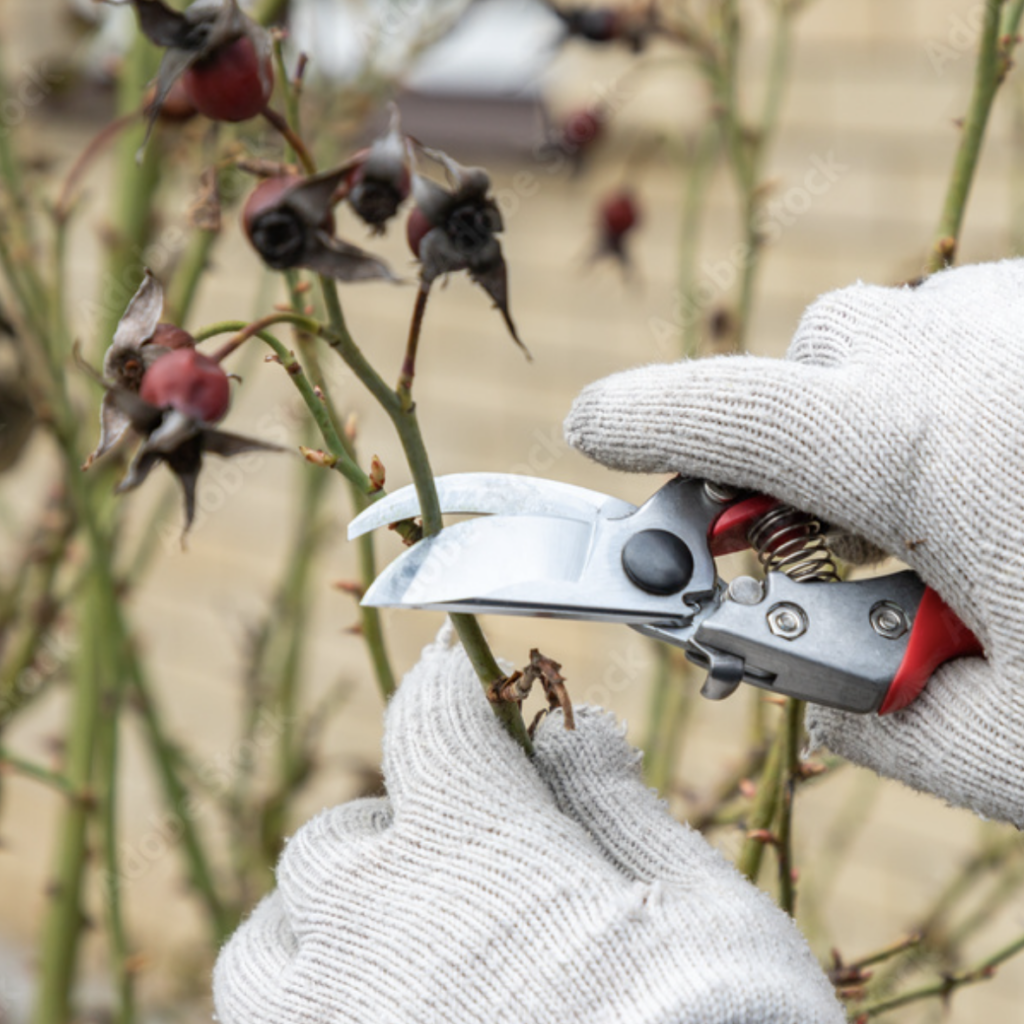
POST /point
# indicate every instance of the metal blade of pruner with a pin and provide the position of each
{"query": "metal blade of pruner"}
(545, 548)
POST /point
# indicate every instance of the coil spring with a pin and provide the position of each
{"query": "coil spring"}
(793, 543)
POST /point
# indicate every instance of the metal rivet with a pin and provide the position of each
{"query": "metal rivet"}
(889, 620)
(746, 590)
(787, 621)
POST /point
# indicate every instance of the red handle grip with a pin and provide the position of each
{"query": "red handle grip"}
(937, 636)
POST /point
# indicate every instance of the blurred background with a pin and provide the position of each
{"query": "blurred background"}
(850, 187)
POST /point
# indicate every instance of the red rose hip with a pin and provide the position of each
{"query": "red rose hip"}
(619, 213)
(230, 84)
(189, 382)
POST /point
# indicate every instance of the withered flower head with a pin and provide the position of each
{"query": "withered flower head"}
(380, 182)
(289, 221)
(157, 384)
(140, 339)
(454, 229)
(222, 57)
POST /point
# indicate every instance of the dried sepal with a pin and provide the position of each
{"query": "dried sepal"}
(381, 182)
(548, 671)
(114, 425)
(455, 229)
(136, 326)
(346, 262)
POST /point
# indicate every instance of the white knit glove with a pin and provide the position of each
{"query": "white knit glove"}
(898, 415)
(490, 889)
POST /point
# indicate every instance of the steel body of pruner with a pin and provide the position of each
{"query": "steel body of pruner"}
(549, 549)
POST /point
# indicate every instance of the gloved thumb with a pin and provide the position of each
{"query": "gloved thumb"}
(787, 428)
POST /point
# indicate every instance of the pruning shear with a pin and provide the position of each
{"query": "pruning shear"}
(553, 550)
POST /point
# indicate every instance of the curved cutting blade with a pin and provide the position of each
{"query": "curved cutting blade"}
(494, 494)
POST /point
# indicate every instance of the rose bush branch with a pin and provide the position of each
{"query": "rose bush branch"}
(995, 53)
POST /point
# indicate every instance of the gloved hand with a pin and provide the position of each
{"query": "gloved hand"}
(898, 416)
(490, 889)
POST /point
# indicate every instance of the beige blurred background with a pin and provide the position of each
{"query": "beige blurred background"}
(875, 91)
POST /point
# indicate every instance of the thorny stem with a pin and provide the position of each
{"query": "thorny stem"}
(793, 728)
(694, 207)
(411, 438)
(747, 147)
(289, 87)
(181, 805)
(135, 186)
(752, 763)
(64, 917)
(293, 140)
(343, 463)
(369, 618)
(31, 770)
(404, 389)
(881, 955)
(993, 856)
(765, 806)
(35, 595)
(995, 49)
(671, 704)
(107, 760)
(943, 989)
(248, 330)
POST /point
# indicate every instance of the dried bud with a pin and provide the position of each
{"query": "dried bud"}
(376, 474)
(318, 458)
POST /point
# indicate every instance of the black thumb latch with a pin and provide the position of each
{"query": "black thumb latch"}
(657, 561)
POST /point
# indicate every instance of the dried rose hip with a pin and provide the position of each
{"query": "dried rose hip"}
(617, 216)
(277, 233)
(381, 182)
(619, 213)
(290, 222)
(456, 228)
(189, 382)
(220, 55)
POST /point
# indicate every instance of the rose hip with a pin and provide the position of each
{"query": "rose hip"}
(190, 382)
(230, 84)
